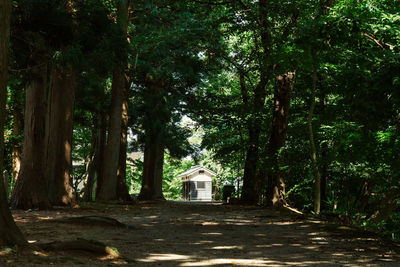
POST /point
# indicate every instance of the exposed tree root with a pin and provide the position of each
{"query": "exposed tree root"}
(92, 220)
(82, 245)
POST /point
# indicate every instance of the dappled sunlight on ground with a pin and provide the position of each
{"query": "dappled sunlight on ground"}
(178, 234)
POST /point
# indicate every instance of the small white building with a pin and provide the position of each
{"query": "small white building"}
(197, 184)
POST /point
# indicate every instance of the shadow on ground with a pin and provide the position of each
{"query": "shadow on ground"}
(179, 234)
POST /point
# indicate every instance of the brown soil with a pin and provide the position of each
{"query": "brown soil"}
(182, 234)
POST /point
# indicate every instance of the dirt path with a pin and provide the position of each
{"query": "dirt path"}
(178, 234)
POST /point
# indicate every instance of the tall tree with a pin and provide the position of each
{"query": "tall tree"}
(122, 188)
(251, 187)
(108, 189)
(156, 119)
(9, 232)
(59, 129)
(282, 96)
(31, 188)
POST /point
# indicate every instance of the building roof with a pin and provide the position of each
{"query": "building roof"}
(195, 169)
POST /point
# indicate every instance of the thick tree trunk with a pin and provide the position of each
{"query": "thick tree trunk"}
(249, 190)
(154, 143)
(152, 172)
(158, 172)
(108, 189)
(59, 136)
(18, 120)
(122, 187)
(313, 149)
(31, 188)
(10, 234)
(253, 187)
(276, 181)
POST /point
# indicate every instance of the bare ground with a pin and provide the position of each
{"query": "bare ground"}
(181, 234)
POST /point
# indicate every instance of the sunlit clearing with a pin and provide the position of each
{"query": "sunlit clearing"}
(260, 235)
(204, 242)
(227, 247)
(164, 257)
(210, 223)
(40, 253)
(45, 218)
(238, 262)
(211, 233)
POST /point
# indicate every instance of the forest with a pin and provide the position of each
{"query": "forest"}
(296, 104)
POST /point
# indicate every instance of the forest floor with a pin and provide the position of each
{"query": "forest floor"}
(182, 234)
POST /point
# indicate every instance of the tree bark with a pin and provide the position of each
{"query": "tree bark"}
(59, 135)
(108, 190)
(252, 187)
(158, 172)
(152, 172)
(276, 178)
(313, 149)
(122, 187)
(9, 232)
(156, 122)
(31, 187)
(91, 164)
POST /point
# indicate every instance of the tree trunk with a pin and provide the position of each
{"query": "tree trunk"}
(108, 189)
(158, 172)
(324, 175)
(91, 165)
(253, 187)
(99, 156)
(276, 182)
(59, 136)
(313, 149)
(10, 234)
(18, 120)
(249, 190)
(366, 195)
(31, 188)
(122, 187)
(154, 143)
(152, 172)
